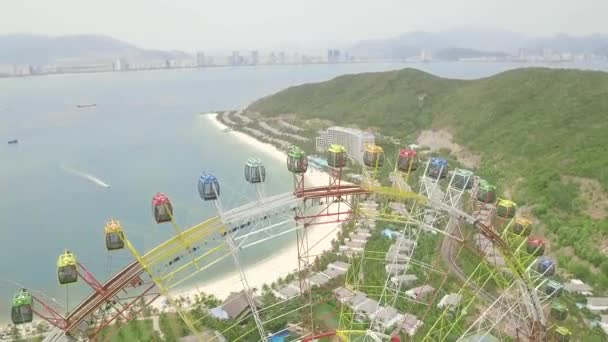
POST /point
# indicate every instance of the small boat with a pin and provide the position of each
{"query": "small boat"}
(87, 105)
(14, 141)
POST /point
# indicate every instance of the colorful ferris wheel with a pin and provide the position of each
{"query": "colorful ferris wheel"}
(448, 261)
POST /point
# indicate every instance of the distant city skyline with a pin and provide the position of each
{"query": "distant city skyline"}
(191, 25)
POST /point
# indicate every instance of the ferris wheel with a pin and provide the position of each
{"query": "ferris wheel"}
(450, 261)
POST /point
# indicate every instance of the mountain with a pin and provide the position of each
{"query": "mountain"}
(410, 44)
(454, 54)
(540, 135)
(596, 43)
(42, 50)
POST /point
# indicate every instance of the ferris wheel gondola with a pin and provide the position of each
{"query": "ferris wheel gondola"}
(162, 208)
(22, 307)
(408, 160)
(336, 156)
(463, 179)
(114, 235)
(297, 162)
(545, 266)
(522, 226)
(438, 168)
(255, 171)
(66, 268)
(208, 187)
(373, 156)
(535, 246)
(486, 192)
(506, 208)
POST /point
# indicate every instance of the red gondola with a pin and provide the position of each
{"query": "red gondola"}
(162, 208)
(408, 160)
(535, 246)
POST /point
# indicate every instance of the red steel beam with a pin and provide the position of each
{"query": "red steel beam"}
(105, 323)
(318, 336)
(121, 280)
(49, 314)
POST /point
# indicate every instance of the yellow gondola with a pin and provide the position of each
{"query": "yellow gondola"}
(522, 226)
(66, 268)
(505, 208)
(114, 235)
(373, 156)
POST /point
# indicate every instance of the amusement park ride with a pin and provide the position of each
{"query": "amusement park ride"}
(505, 288)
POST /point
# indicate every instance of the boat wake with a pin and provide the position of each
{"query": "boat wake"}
(86, 176)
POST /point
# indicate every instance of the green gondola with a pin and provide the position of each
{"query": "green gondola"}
(336, 156)
(297, 162)
(21, 310)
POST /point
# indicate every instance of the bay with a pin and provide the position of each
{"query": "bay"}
(144, 135)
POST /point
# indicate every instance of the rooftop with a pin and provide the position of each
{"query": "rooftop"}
(219, 313)
(343, 293)
(319, 279)
(354, 244)
(577, 287)
(339, 265)
(235, 304)
(410, 324)
(369, 307)
(348, 130)
(358, 299)
(289, 291)
(416, 292)
(332, 273)
(452, 300)
(597, 301)
(404, 278)
(387, 316)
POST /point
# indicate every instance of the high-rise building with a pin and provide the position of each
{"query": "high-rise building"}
(425, 55)
(235, 59)
(333, 56)
(282, 57)
(352, 139)
(200, 59)
(121, 64)
(255, 57)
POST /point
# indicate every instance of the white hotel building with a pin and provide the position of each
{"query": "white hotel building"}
(353, 140)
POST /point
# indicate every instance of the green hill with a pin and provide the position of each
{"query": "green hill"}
(542, 135)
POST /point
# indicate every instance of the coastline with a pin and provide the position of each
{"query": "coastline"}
(281, 262)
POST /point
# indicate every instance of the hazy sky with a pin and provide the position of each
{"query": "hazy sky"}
(227, 24)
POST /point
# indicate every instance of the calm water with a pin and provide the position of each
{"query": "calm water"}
(144, 136)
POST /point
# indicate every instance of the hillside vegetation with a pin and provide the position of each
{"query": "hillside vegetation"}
(542, 135)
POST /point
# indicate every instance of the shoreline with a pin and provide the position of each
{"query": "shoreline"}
(280, 263)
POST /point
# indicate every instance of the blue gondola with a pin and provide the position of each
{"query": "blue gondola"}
(545, 266)
(208, 187)
(438, 168)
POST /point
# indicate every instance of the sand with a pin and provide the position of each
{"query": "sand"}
(281, 262)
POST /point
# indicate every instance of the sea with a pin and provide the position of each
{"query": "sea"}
(75, 167)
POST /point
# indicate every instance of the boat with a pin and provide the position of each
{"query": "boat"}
(87, 105)
(14, 141)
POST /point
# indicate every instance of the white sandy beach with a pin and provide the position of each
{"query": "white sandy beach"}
(280, 262)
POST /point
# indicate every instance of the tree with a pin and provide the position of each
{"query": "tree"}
(42, 327)
(14, 332)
